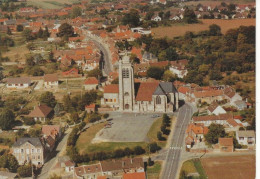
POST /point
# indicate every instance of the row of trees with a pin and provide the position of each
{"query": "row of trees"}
(164, 127)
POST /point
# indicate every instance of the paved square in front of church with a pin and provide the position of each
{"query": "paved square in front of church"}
(126, 127)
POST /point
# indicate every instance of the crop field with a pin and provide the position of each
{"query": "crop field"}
(229, 167)
(55, 4)
(180, 29)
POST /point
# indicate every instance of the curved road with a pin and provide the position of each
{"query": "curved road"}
(172, 160)
(106, 61)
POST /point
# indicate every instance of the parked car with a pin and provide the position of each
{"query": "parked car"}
(155, 116)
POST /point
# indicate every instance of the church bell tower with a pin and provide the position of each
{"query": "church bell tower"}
(126, 84)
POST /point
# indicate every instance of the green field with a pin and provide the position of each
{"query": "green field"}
(190, 167)
(153, 172)
(57, 4)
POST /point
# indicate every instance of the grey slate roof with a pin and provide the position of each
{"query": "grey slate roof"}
(165, 88)
(32, 140)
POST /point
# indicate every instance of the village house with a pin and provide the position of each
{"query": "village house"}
(52, 130)
(232, 95)
(207, 120)
(111, 96)
(208, 96)
(183, 92)
(149, 57)
(29, 150)
(195, 133)
(65, 163)
(41, 113)
(246, 137)
(215, 109)
(91, 83)
(90, 108)
(18, 83)
(156, 18)
(225, 144)
(71, 73)
(179, 68)
(51, 81)
(88, 171)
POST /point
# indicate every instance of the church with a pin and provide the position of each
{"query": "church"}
(129, 96)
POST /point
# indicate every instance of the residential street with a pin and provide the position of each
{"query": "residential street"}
(105, 61)
(52, 162)
(172, 161)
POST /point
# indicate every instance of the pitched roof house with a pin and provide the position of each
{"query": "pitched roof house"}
(41, 113)
(91, 83)
(50, 80)
(226, 144)
(18, 83)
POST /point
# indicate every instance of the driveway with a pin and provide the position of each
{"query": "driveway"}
(126, 127)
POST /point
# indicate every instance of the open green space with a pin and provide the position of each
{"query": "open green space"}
(191, 167)
(153, 172)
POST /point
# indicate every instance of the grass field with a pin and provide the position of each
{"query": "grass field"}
(153, 172)
(193, 166)
(180, 29)
(84, 144)
(56, 4)
(152, 134)
(230, 167)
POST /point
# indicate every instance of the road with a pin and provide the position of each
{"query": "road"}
(47, 167)
(171, 163)
(106, 61)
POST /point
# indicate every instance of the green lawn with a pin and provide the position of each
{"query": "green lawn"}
(193, 166)
(153, 172)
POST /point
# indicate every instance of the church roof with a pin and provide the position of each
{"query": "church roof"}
(146, 90)
(165, 88)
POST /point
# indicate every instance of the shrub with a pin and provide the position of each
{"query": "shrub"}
(138, 150)
(153, 147)
(29, 121)
(106, 115)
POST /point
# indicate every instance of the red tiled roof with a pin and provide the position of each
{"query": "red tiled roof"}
(50, 77)
(197, 129)
(208, 93)
(213, 118)
(50, 130)
(160, 64)
(91, 106)
(183, 89)
(113, 88)
(91, 81)
(225, 141)
(137, 175)
(146, 90)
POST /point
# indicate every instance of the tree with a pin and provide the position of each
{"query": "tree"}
(67, 103)
(76, 12)
(7, 119)
(138, 150)
(9, 32)
(74, 116)
(9, 161)
(48, 98)
(153, 147)
(215, 131)
(150, 162)
(25, 170)
(132, 18)
(27, 34)
(189, 16)
(19, 28)
(159, 136)
(46, 33)
(95, 73)
(40, 33)
(1, 75)
(214, 30)
(155, 72)
(65, 30)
